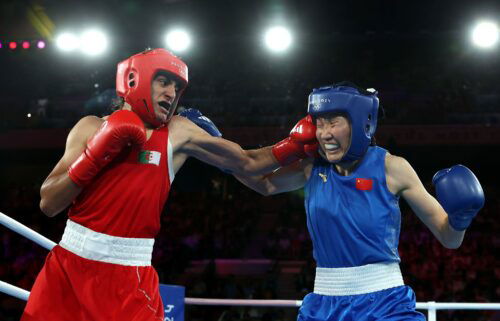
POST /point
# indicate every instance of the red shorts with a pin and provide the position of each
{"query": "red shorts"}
(70, 287)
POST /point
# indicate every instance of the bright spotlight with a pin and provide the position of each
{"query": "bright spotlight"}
(93, 42)
(485, 34)
(278, 39)
(178, 40)
(67, 42)
(40, 44)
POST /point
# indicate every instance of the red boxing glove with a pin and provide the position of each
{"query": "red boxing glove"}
(294, 148)
(311, 150)
(123, 127)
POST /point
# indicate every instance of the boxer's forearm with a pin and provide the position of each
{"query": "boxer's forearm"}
(260, 162)
(222, 153)
(451, 238)
(257, 183)
(284, 179)
(57, 193)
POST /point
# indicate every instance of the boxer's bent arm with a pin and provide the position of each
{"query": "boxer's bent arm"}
(403, 176)
(223, 153)
(284, 179)
(58, 190)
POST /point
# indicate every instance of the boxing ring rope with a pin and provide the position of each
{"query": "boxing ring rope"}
(41, 240)
(14, 291)
(25, 231)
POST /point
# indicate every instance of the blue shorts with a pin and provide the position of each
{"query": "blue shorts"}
(395, 304)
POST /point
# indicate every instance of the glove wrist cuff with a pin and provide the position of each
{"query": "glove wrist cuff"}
(82, 171)
(459, 224)
(284, 152)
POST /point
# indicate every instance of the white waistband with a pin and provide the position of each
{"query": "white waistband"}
(101, 247)
(357, 280)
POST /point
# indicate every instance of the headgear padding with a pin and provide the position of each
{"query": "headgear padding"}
(360, 106)
(135, 75)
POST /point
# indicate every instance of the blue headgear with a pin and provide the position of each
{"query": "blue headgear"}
(359, 105)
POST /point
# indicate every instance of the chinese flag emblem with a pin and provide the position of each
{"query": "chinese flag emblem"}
(364, 184)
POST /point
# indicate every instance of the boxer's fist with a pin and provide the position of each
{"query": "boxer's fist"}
(460, 194)
(300, 144)
(203, 122)
(311, 150)
(122, 128)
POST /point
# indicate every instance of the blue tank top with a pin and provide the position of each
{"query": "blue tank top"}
(353, 220)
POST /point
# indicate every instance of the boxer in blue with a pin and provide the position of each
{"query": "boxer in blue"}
(352, 191)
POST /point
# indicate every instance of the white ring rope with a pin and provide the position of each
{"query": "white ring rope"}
(244, 302)
(48, 244)
(23, 295)
(14, 291)
(26, 232)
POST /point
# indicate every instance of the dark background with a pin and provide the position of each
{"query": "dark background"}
(440, 94)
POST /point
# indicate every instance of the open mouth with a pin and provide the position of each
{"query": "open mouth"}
(164, 110)
(165, 104)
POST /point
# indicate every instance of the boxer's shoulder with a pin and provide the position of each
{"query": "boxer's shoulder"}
(395, 164)
(178, 123)
(399, 173)
(90, 121)
(87, 126)
(182, 128)
(179, 131)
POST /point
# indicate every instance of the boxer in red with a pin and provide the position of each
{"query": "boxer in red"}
(116, 174)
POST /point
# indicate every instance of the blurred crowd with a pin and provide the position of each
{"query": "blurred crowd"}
(454, 102)
(217, 218)
(270, 93)
(225, 220)
(421, 80)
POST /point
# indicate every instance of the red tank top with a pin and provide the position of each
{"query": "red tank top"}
(126, 198)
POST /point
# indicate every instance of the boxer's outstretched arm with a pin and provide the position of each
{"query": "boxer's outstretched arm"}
(401, 174)
(189, 139)
(284, 179)
(58, 190)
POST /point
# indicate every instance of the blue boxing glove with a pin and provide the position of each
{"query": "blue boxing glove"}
(203, 122)
(460, 194)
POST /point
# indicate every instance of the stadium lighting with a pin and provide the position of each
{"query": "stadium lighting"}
(178, 40)
(67, 42)
(485, 34)
(278, 39)
(93, 42)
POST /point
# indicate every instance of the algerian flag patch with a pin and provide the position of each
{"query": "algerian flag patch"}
(149, 157)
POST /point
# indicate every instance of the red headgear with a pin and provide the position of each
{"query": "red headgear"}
(135, 75)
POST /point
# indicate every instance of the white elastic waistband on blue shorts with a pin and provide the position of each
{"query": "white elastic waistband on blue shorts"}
(357, 280)
(101, 247)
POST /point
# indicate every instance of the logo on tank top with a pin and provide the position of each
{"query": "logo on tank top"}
(149, 157)
(323, 177)
(364, 184)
